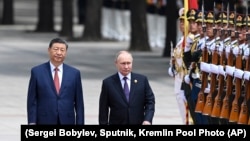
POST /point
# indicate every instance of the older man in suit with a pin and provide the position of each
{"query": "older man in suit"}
(60, 102)
(129, 101)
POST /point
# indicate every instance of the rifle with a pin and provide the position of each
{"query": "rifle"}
(225, 110)
(209, 98)
(234, 114)
(207, 110)
(243, 117)
(218, 98)
(201, 96)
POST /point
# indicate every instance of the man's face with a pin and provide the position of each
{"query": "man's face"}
(210, 30)
(221, 28)
(231, 28)
(124, 63)
(199, 26)
(242, 33)
(193, 28)
(57, 53)
(181, 25)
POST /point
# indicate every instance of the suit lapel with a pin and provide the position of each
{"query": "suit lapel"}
(133, 84)
(64, 78)
(50, 77)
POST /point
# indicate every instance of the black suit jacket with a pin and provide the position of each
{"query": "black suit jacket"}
(115, 109)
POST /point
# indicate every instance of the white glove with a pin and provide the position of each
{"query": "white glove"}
(195, 75)
(187, 79)
(238, 73)
(207, 90)
(221, 70)
(246, 75)
(230, 70)
(214, 69)
(205, 67)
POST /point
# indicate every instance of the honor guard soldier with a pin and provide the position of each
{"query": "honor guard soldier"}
(176, 70)
(206, 64)
(229, 43)
(231, 53)
(238, 73)
(223, 34)
(194, 71)
(191, 42)
(244, 118)
(244, 107)
(213, 46)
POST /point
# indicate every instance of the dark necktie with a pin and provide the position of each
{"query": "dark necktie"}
(56, 81)
(125, 88)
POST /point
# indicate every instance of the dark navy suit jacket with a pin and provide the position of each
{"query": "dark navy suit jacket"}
(115, 109)
(45, 106)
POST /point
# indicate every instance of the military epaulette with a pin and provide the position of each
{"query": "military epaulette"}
(227, 41)
(234, 43)
(210, 42)
(217, 39)
(197, 36)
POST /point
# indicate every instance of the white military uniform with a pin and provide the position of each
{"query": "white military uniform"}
(178, 75)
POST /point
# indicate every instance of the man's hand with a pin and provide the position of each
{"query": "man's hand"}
(146, 123)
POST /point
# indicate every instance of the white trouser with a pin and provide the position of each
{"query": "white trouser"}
(181, 101)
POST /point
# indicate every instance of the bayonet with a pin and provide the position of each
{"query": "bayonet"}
(247, 33)
(203, 25)
(222, 13)
(235, 18)
(214, 28)
(228, 28)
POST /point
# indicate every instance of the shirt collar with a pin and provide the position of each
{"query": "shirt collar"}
(121, 76)
(52, 67)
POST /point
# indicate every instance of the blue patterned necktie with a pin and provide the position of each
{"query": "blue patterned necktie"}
(125, 88)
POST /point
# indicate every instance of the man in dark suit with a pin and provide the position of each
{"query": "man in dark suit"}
(46, 105)
(116, 108)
